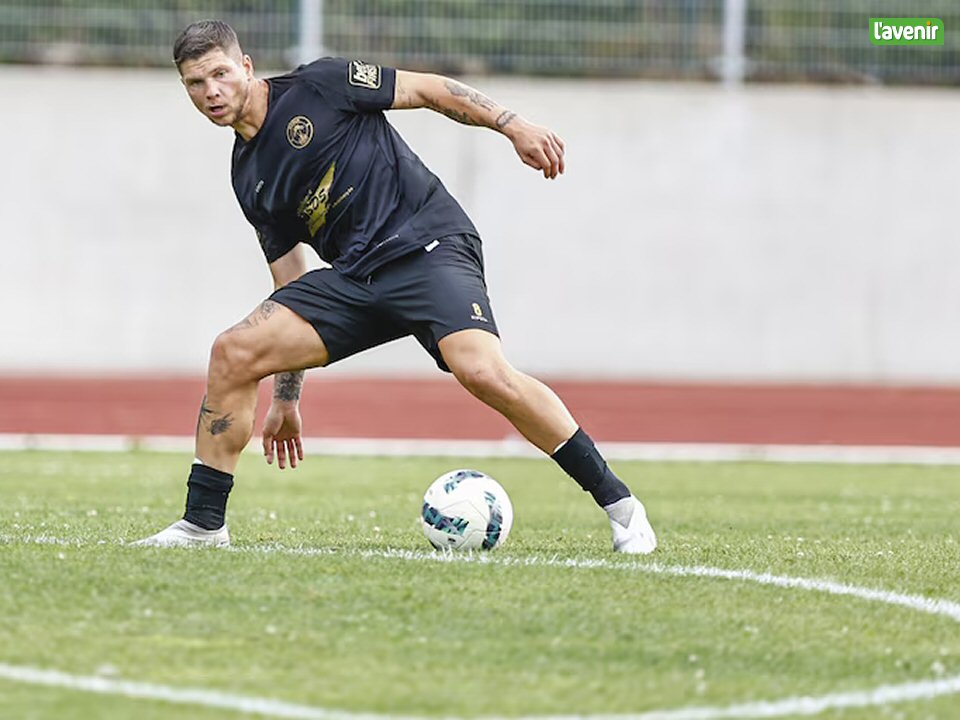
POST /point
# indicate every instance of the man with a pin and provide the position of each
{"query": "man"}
(315, 162)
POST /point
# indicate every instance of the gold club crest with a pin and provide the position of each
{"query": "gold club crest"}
(300, 131)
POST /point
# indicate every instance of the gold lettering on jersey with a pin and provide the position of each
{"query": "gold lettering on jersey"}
(313, 208)
(363, 74)
(300, 132)
(478, 313)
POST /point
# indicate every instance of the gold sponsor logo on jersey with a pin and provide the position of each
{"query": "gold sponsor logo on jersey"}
(313, 208)
(365, 75)
(478, 313)
(300, 131)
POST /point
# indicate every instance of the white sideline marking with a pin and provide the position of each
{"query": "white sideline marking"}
(517, 447)
(873, 697)
(883, 695)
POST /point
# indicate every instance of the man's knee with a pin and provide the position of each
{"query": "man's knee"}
(492, 381)
(233, 359)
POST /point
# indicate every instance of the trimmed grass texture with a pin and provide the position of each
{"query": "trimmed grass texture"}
(310, 607)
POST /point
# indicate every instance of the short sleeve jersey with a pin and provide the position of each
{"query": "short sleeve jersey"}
(327, 169)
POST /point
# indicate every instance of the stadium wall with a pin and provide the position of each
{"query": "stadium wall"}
(771, 233)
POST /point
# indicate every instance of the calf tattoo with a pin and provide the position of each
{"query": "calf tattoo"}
(213, 421)
(287, 386)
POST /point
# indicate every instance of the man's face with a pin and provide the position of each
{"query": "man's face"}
(219, 84)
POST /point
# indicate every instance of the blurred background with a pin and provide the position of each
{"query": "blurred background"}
(755, 194)
(774, 40)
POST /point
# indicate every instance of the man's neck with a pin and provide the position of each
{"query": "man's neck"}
(255, 112)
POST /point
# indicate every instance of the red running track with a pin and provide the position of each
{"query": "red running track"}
(337, 407)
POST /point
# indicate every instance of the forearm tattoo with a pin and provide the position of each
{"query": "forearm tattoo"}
(287, 386)
(213, 421)
(459, 116)
(504, 118)
(474, 98)
(477, 98)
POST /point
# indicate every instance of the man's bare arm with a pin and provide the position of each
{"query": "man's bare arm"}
(282, 425)
(289, 267)
(538, 147)
(288, 385)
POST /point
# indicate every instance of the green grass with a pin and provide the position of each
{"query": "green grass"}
(351, 628)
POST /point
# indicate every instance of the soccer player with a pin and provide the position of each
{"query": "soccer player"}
(316, 163)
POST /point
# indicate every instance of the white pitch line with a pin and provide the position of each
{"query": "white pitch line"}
(801, 705)
(883, 695)
(919, 603)
(180, 696)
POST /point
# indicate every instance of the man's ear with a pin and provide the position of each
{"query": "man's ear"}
(248, 65)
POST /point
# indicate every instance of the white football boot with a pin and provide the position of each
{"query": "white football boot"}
(637, 536)
(185, 534)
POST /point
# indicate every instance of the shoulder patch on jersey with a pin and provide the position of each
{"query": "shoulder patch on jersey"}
(300, 131)
(363, 74)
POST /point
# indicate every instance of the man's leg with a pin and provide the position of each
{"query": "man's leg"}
(476, 359)
(271, 339)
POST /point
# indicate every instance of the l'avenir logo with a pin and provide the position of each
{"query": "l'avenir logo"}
(906, 31)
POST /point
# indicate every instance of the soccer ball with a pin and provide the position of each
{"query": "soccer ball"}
(466, 510)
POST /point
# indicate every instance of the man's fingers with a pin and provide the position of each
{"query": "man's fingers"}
(553, 155)
(547, 158)
(292, 452)
(281, 454)
(299, 444)
(532, 161)
(553, 162)
(560, 150)
(268, 449)
(539, 160)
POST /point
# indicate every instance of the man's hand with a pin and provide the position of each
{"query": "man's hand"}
(281, 434)
(539, 147)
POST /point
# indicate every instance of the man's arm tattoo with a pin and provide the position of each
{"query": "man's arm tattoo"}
(212, 420)
(477, 98)
(287, 386)
(504, 118)
(459, 116)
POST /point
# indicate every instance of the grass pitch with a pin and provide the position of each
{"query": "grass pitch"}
(313, 607)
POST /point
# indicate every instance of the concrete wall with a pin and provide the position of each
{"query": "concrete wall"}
(768, 233)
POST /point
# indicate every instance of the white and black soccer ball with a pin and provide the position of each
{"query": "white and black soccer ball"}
(466, 510)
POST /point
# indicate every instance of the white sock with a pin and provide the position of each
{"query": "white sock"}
(622, 510)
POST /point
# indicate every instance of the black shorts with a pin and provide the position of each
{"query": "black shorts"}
(427, 293)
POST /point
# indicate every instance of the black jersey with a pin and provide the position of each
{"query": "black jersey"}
(327, 169)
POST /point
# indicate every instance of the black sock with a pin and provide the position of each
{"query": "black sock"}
(207, 492)
(581, 460)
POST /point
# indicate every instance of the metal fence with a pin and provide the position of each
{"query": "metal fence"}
(767, 40)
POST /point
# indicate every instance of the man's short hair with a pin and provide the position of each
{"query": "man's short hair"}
(199, 38)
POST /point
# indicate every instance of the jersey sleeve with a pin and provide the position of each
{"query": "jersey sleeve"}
(352, 85)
